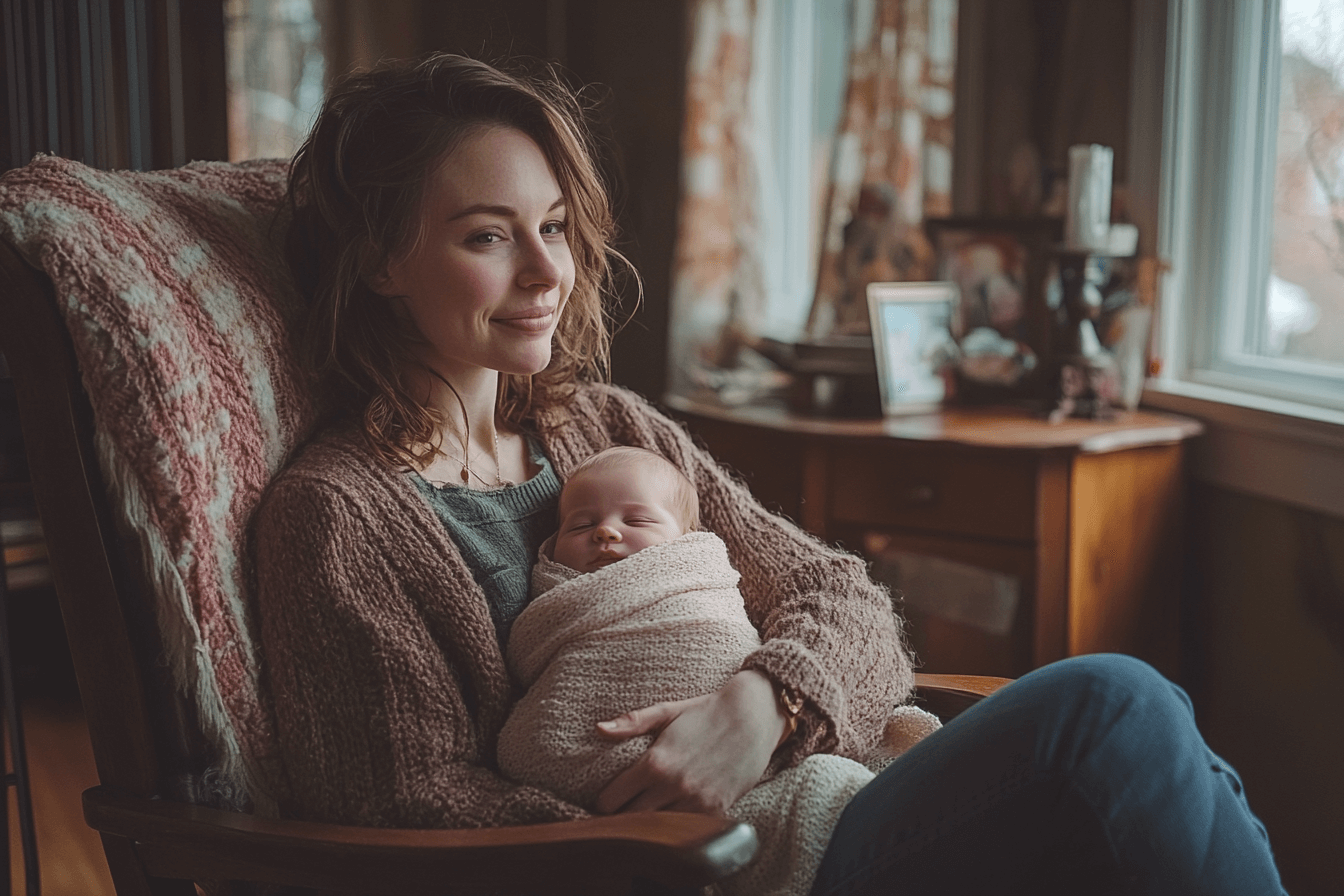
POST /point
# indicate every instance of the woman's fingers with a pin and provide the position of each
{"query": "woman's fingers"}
(708, 750)
(649, 720)
(635, 789)
(647, 786)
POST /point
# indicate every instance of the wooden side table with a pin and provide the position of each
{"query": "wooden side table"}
(1073, 532)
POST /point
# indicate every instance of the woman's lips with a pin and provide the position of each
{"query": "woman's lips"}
(528, 321)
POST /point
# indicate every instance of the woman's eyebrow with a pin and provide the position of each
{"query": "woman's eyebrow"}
(503, 211)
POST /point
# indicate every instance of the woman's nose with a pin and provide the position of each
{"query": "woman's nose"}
(606, 534)
(541, 267)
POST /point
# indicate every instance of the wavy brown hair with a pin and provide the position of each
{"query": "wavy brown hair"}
(355, 189)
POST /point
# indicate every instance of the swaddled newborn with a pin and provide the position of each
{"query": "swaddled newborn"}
(631, 607)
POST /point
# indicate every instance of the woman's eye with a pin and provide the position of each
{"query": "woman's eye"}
(553, 228)
(486, 239)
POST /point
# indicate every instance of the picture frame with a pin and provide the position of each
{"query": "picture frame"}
(999, 266)
(912, 343)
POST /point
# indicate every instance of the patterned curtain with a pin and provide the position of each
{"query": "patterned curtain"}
(890, 167)
(715, 256)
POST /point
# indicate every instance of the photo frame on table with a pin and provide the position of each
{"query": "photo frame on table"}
(999, 266)
(912, 342)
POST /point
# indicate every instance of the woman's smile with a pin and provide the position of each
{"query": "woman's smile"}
(536, 320)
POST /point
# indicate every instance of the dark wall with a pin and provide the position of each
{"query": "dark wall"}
(1264, 652)
(638, 50)
(1035, 77)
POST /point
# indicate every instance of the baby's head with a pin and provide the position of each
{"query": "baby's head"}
(620, 501)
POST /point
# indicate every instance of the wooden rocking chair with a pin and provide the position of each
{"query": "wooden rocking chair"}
(158, 845)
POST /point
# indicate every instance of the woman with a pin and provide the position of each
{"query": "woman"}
(452, 237)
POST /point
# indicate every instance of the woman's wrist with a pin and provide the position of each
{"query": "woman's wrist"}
(760, 690)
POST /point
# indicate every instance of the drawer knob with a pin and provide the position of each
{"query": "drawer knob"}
(921, 494)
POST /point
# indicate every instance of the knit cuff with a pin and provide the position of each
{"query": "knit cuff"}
(790, 664)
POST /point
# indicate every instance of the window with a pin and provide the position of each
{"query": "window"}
(1247, 212)
(275, 68)
(1253, 201)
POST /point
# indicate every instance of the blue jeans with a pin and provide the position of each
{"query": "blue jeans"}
(1087, 776)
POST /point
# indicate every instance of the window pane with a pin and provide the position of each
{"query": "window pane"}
(1304, 311)
(275, 70)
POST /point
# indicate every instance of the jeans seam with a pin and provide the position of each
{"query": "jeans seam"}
(1100, 819)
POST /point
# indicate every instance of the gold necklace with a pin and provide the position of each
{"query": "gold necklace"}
(467, 472)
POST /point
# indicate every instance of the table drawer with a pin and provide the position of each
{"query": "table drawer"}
(936, 489)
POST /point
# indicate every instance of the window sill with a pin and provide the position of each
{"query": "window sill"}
(1266, 447)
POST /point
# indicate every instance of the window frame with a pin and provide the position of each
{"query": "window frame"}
(1218, 189)
(1275, 436)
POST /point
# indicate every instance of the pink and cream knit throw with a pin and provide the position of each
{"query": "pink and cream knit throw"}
(179, 306)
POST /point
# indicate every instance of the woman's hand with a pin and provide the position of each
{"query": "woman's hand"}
(708, 750)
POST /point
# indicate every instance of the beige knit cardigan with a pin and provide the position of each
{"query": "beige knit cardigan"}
(388, 684)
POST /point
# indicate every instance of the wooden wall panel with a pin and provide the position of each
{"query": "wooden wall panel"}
(113, 83)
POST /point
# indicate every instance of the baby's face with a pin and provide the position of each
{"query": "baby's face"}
(607, 515)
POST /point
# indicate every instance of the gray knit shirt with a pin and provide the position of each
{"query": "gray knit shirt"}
(499, 532)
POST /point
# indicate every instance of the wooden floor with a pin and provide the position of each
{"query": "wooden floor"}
(60, 768)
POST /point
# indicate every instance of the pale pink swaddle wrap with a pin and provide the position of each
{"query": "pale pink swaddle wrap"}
(666, 623)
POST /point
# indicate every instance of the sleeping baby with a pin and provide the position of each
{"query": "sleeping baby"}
(632, 606)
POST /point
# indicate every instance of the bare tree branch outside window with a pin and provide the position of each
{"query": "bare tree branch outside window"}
(275, 69)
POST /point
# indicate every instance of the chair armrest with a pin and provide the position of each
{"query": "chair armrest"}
(947, 695)
(600, 854)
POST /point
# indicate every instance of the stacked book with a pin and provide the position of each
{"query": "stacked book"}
(834, 355)
(25, 554)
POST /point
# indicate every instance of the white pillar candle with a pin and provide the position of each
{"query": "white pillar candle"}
(1088, 224)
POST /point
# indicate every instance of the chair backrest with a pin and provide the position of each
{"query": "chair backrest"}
(146, 319)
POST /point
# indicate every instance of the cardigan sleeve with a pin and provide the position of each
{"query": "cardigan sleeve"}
(829, 632)
(378, 713)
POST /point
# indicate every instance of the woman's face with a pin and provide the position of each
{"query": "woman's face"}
(489, 278)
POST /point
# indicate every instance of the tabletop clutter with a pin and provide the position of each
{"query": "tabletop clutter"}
(1048, 314)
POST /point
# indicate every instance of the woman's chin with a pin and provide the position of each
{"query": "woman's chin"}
(526, 364)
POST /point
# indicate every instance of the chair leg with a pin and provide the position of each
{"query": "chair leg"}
(128, 874)
(5, 873)
(13, 724)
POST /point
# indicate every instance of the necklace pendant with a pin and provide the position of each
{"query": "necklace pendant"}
(466, 474)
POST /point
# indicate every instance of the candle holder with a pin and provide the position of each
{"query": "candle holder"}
(1082, 378)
